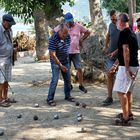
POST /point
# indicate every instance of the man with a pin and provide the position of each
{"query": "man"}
(58, 48)
(111, 52)
(6, 52)
(78, 34)
(127, 71)
(138, 31)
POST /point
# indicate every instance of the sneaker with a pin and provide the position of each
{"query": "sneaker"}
(82, 88)
(131, 116)
(108, 101)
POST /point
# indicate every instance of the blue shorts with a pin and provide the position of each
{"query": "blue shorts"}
(109, 63)
(76, 60)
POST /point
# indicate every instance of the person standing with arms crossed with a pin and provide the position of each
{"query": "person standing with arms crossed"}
(6, 54)
(111, 52)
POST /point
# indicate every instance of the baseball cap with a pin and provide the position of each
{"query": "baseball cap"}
(9, 18)
(68, 17)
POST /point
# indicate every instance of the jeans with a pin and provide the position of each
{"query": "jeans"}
(54, 80)
(109, 63)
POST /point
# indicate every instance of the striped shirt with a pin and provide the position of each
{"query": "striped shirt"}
(61, 47)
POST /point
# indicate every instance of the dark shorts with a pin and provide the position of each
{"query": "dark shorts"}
(76, 60)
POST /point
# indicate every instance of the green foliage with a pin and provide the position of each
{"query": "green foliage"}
(119, 5)
(25, 8)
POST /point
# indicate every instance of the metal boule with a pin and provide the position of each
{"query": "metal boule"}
(77, 103)
(19, 116)
(84, 105)
(79, 115)
(36, 105)
(35, 118)
(1, 132)
(79, 119)
(56, 116)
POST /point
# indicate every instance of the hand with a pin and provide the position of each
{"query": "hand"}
(130, 74)
(106, 50)
(111, 55)
(113, 69)
(63, 68)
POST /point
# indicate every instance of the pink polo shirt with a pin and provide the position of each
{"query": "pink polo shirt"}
(75, 33)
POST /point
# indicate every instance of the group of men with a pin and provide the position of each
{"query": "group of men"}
(122, 52)
(64, 47)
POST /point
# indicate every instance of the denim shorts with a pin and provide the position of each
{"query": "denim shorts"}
(109, 63)
(76, 60)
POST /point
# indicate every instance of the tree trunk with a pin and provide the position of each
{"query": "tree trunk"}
(92, 52)
(134, 6)
(43, 21)
(131, 11)
(41, 35)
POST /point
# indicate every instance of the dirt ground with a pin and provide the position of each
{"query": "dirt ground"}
(30, 85)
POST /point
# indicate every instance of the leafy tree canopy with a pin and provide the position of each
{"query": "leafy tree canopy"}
(25, 8)
(119, 5)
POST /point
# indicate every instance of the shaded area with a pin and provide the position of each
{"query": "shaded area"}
(97, 120)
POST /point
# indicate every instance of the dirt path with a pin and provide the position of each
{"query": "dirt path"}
(30, 84)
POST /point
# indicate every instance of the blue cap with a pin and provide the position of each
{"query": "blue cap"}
(68, 17)
(9, 18)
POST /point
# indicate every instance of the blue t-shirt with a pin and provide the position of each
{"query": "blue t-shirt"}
(61, 47)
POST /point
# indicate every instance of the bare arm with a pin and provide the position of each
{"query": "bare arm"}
(107, 42)
(86, 34)
(126, 55)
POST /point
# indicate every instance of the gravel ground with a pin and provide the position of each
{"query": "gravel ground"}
(30, 85)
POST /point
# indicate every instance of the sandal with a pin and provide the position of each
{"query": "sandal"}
(8, 100)
(120, 115)
(4, 104)
(121, 122)
(51, 102)
(70, 99)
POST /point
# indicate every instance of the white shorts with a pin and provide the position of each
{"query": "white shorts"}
(122, 82)
(5, 73)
